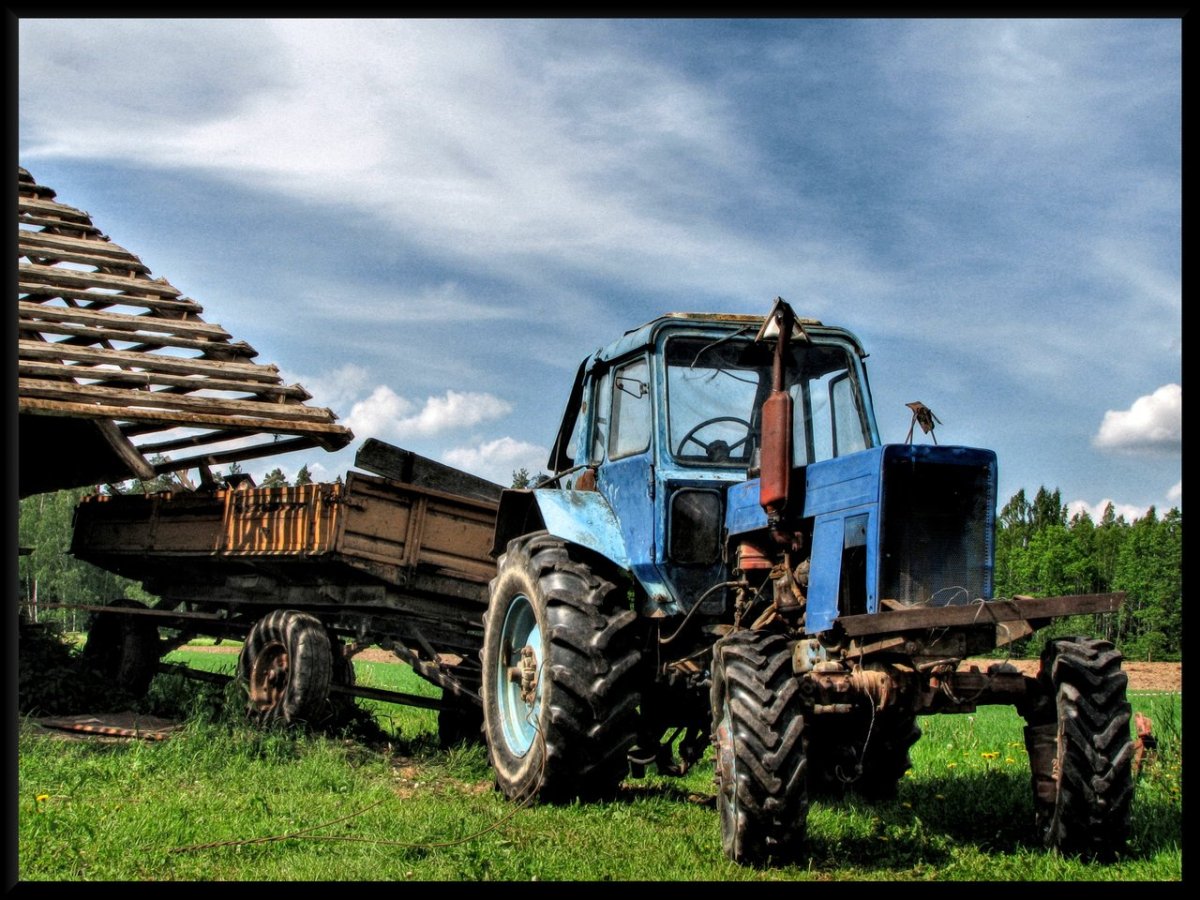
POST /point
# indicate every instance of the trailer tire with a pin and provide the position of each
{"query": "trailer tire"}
(761, 763)
(123, 650)
(1081, 758)
(560, 672)
(287, 665)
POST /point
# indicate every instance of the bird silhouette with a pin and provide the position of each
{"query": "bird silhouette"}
(923, 416)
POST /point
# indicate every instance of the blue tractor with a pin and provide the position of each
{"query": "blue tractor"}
(727, 555)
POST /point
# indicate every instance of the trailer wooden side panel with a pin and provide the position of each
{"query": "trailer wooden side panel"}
(382, 529)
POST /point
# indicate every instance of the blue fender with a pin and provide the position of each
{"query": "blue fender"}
(581, 517)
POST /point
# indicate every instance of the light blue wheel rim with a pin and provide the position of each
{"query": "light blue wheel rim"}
(518, 719)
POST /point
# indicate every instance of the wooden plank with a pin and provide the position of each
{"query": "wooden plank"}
(91, 335)
(179, 365)
(34, 369)
(273, 448)
(128, 265)
(126, 452)
(57, 390)
(70, 278)
(42, 221)
(398, 464)
(172, 418)
(980, 612)
(94, 247)
(180, 304)
(50, 208)
(37, 312)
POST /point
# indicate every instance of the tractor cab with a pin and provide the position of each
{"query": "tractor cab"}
(664, 420)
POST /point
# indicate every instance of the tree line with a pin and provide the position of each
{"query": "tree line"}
(1040, 551)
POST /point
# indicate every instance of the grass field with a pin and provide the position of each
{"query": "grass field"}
(220, 801)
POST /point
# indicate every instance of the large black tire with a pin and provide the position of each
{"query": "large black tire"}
(123, 650)
(853, 752)
(287, 666)
(560, 659)
(758, 731)
(1081, 756)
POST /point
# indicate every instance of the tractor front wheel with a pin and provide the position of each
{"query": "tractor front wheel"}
(758, 731)
(1081, 750)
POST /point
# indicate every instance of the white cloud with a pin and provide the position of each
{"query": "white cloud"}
(388, 416)
(1175, 494)
(454, 410)
(336, 389)
(378, 414)
(1096, 510)
(497, 460)
(1154, 423)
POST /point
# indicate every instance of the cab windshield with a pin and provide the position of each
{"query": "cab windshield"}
(715, 392)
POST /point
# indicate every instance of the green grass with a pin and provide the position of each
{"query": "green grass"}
(400, 810)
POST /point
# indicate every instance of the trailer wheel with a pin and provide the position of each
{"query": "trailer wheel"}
(758, 731)
(287, 665)
(1081, 757)
(852, 752)
(124, 650)
(560, 689)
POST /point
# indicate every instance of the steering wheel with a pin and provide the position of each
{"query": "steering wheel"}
(716, 450)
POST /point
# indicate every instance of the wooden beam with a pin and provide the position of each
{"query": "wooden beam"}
(93, 335)
(178, 365)
(119, 397)
(179, 304)
(176, 418)
(34, 313)
(980, 612)
(70, 278)
(146, 378)
(126, 452)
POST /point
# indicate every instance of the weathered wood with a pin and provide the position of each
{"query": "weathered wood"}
(143, 324)
(94, 335)
(53, 275)
(147, 378)
(40, 253)
(396, 463)
(256, 451)
(175, 417)
(980, 612)
(179, 304)
(71, 322)
(265, 372)
(42, 221)
(59, 211)
(57, 390)
(95, 247)
(125, 451)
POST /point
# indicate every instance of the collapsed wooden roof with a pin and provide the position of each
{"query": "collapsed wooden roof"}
(120, 377)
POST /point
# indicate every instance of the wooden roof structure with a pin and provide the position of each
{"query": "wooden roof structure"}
(120, 377)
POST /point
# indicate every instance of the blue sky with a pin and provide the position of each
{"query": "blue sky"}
(429, 223)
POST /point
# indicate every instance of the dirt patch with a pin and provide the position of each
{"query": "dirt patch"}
(1143, 676)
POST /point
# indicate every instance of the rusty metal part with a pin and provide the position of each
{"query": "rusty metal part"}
(269, 676)
(526, 674)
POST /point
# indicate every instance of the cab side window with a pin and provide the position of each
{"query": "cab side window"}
(631, 418)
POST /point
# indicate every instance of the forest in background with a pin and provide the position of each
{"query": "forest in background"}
(1040, 551)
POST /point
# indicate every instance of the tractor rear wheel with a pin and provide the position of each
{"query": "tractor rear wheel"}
(560, 666)
(1081, 750)
(758, 730)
